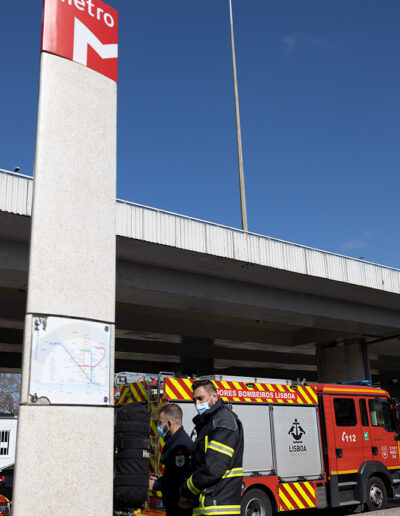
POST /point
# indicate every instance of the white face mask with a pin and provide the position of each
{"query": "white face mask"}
(202, 407)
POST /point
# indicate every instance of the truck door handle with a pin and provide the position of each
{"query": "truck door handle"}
(374, 450)
(339, 452)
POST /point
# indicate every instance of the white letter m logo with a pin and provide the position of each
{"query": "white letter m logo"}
(84, 37)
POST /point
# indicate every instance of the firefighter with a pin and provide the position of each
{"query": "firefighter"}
(175, 457)
(214, 486)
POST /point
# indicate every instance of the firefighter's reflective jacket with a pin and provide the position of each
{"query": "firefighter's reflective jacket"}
(217, 462)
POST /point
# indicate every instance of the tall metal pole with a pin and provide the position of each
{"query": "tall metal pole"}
(238, 131)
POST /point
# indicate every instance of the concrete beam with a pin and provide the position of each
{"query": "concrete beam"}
(203, 350)
(318, 336)
(175, 322)
(261, 372)
(204, 363)
(11, 336)
(187, 291)
(386, 363)
(160, 287)
(264, 372)
(10, 360)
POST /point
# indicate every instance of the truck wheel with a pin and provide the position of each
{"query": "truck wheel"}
(376, 494)
(4, 506)
(256, 503)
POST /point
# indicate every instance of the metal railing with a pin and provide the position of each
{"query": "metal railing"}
(9, 173)
(214, 224)
(258, 235)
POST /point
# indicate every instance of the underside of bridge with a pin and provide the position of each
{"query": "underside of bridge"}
(190, 313)
(152, 340)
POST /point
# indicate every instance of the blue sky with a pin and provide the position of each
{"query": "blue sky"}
(319, 84)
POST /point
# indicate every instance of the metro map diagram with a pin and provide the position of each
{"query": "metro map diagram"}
(70, 361)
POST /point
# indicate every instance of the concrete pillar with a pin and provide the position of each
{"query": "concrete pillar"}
(340, 362)
(203, 363)
(64, 461)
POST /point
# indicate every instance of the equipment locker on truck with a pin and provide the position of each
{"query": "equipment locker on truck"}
(306, 445)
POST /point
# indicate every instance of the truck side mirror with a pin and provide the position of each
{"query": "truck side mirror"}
(397, 436)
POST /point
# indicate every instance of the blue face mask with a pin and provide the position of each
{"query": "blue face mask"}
(202, 407)
(160, 431)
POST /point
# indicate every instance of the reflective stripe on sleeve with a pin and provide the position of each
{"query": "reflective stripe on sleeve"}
(222, 448)
(217, 509)
(202, 498)
(234, 472)
(192, 488)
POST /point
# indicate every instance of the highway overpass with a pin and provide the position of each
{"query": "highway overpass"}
(196, 297)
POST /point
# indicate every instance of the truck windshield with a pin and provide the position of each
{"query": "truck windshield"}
(381, 414)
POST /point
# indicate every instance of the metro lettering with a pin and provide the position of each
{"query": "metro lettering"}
(90, 6)
(110, 18)
(107, 18)
(80, 3)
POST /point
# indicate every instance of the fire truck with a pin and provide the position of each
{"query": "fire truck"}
(306, 445)
(8, 437)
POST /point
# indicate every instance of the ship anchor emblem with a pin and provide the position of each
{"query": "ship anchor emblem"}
(296, 431)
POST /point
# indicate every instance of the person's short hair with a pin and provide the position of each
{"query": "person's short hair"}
(172, 411)
(207, 384)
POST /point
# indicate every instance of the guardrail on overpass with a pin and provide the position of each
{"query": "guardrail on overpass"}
(171, 229)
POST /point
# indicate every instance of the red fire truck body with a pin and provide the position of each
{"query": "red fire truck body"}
(306, 446)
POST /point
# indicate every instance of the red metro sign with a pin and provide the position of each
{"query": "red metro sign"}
(84, 31)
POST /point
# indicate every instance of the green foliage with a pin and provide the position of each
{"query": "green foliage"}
(10, 385)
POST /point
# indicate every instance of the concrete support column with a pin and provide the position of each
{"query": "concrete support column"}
(344, 361)
(203, 364)
(64, 462)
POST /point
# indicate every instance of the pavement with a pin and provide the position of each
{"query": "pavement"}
(393, 510)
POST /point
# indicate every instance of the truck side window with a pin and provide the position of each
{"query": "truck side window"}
(345, 412)
(363, 412)
(381, 414)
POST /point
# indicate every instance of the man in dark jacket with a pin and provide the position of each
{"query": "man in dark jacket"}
(214, 488)
(175, 457)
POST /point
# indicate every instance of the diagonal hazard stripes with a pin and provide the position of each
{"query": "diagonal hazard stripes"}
(178, 389)
(297, 495)
(181, 389)
(132, 392)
